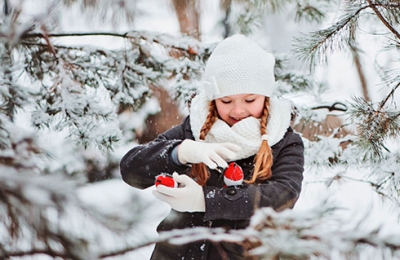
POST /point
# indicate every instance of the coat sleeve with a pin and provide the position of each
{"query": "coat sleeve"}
(279, 192)
(143, 163)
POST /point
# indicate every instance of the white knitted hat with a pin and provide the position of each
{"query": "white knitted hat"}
(239, 66)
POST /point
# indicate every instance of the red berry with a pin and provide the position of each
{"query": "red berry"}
(165, 180)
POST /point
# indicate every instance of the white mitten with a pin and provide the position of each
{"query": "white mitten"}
(188, 197)
(212, 154)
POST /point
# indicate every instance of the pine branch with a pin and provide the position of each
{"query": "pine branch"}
(310, 13)
(124, 73)
(391, 94)
(378, 187)
(305, 235)
(383, 20)
(314, 46)
(45, 213)
(180, 237)
(135, 36)
(272, 6)
(292, 81)
(33, 252)
(290, 234)
(246, 16)
(375, 124)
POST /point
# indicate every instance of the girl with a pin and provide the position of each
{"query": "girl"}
(233, 119)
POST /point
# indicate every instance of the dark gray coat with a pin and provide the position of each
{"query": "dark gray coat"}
(230, 207)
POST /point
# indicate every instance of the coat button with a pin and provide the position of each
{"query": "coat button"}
(231, 191)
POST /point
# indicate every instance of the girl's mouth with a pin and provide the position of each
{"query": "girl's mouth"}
(235, 119)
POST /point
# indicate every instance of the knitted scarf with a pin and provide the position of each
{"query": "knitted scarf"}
(245, 133)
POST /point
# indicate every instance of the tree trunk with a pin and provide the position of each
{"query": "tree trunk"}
(188, 16)
(170, 114)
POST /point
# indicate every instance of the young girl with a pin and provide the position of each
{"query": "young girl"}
(233, 119)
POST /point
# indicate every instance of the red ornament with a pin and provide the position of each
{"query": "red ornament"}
(233, 175)
(165, 180)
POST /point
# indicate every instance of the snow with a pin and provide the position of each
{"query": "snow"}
(355, 198)
(356, 201)
(112, 195)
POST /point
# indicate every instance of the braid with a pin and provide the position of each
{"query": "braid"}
(263, 159)
(199, 171)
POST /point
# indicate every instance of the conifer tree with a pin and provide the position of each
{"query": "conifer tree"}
(88, 94)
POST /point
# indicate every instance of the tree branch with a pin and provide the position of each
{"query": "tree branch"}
(388, 96)
(36, 252)
(55, 35)
(360, 72)
(118, 35)
(384, 21)
(338, 29)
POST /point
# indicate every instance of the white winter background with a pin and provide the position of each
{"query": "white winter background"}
(356, 198)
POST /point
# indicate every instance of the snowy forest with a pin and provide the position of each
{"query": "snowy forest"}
(84, 81)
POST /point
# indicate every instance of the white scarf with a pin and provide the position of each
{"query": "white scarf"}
(245, 133)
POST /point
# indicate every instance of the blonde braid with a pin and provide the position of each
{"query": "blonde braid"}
(263, 159)
(199, 171)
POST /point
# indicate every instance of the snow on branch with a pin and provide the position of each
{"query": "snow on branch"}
(84, 88)
(315, 46)
(28, 204)
(291, 81)
(43, 215)
(376, 123)
(319, 232)
(316, 233)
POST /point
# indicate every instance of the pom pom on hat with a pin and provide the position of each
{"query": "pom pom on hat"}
(239, 66)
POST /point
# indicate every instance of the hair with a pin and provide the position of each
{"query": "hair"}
(262, 161)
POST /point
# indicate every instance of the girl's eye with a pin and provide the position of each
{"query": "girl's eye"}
(249, 100)
(225, 101)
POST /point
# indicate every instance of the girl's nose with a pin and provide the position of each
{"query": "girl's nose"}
(237, 111)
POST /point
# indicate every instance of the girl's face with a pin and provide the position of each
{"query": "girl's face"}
(234, 108)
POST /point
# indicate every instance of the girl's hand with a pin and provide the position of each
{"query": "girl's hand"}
(187, 197)
(212, 154)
